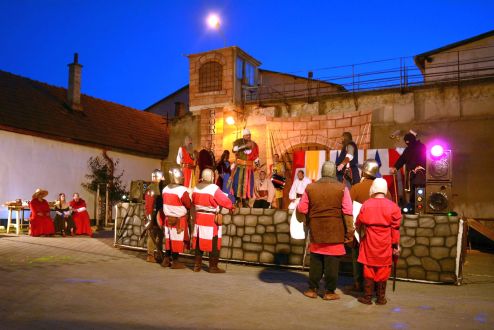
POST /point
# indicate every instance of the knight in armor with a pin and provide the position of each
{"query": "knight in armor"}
(328, 205)
(414, 158)
(186, 158)
(246, 160)
(176, 202)
(347, 161)
(208, 199)
(153, 206)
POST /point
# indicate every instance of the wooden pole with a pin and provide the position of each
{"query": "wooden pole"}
(97, 206)
(107, 204)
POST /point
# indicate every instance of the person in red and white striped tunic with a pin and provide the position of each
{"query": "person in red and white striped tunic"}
(207, 199)
(176, 202)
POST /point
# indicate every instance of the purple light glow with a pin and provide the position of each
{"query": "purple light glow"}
(437, 150)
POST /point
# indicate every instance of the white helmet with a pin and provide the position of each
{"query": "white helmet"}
(378, 186)
(207, 175)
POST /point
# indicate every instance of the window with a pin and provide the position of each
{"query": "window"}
(210, 77)
(246, 72)
(250, 74)
(240, 68)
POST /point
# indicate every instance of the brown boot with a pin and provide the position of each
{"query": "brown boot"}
(381, 293)
(166, 261)
(331, 295)
(368, 288)
(177, 264)
(150, 258)
(213, 266)
(197, 263)
(311, 293)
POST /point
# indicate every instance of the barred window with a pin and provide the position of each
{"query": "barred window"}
(210, 77)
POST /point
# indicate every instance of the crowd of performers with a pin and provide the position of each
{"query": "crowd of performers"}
(71, 218)
(373, 236)
(167, 210)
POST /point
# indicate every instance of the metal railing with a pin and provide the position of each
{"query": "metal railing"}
(401, 73)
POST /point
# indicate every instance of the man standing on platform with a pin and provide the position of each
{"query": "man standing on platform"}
(414, 158)
(360, 193)
(347, 161)
(206, 158)
(328, 205)
(208, 199)
(263, 191)
(298, 186)
(176, 202)
(278, 169)
(153, 204)
(246, 159)
(187, 161)
(381, 218)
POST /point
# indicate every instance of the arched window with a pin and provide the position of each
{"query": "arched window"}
(210, 76)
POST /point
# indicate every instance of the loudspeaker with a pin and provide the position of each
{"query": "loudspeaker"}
(438, 197)
(439, 168)
(137, 190)
(420, 200)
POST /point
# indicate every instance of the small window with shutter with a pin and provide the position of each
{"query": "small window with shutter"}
(210, 77)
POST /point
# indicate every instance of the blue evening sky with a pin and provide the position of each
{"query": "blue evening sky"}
(133, 51)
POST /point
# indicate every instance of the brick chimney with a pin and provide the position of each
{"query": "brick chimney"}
(74, 89)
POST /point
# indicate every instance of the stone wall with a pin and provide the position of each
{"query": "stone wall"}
(429, 248)
(260, 236)
(428, 242)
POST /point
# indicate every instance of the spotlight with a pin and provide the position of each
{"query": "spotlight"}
(407, 209)
(437, 151)
(213, 21)
(230, 120)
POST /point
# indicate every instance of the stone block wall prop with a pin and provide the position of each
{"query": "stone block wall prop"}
(129, 224)
(429, 245)
(261, 236)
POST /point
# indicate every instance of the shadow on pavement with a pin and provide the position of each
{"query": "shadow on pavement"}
(298, 280)
(290, 279)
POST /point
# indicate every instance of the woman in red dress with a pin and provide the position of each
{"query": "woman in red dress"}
(80, 216)
(40, 220)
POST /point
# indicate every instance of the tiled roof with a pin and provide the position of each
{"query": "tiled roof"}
(35, 108)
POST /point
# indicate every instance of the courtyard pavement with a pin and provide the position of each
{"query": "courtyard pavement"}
(86, 283)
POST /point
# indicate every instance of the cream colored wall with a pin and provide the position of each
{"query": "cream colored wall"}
(28, 162)
(471, 60)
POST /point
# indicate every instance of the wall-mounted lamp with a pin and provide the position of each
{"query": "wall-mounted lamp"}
(230, 120)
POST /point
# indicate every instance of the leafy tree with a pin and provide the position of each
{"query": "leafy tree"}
(101, 172)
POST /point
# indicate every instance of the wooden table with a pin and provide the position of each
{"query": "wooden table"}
(19, 210)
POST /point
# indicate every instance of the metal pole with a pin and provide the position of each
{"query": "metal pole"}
(401, 73)
(107, 203)
(353, 77)
(458, 65)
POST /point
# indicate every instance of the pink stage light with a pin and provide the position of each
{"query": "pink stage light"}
(437, 150)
